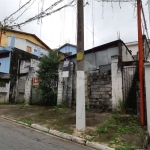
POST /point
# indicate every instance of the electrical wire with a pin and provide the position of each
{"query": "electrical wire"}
(42, 14)
(24, 11)
(18, 9)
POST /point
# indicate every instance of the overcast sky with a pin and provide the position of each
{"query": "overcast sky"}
(105, 19)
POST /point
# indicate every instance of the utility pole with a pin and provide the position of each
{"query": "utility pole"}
(141, 62)
(80, 80)
(1, 27)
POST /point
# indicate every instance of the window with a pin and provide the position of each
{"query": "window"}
(29, 49)
(35, 50)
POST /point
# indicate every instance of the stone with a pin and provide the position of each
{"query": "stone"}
(78, 140)
(36, 126)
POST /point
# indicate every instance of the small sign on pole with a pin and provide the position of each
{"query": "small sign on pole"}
(66, 62)
(36, 81)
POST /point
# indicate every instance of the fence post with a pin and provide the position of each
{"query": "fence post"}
(116, 78)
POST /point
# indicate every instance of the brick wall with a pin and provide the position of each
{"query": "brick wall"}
(100, 90)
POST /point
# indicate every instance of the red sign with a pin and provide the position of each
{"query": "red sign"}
(36, 81)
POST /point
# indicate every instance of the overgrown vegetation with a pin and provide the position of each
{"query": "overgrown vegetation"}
(119, 126)
(25, 120)
(48, 75)
(4, 103)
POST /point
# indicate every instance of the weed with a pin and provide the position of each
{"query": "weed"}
(89, 109)
(4, 103)
(25, 120)
(121, 106)
(115, 140)
(40, 114)
(124, 146)
(21, 106)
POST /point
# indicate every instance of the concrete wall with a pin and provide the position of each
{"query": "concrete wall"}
(100, 90)
(116, 78)
(133, 46)
(24, 83)
(65, 85)
(4, 92)
(126, 56)
(147, 84)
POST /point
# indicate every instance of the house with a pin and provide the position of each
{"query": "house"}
(67, 48)
(110, 70)
(62, 55)
(19, 57)
(133, 46)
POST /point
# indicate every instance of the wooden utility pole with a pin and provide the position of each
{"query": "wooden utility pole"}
(80, 87)
(141, 62)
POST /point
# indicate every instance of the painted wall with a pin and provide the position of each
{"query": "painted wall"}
(23, 43)
(133, 46)
(31, 38)
(93, 60)
(68, 49)
(126, 56)
(5, 64)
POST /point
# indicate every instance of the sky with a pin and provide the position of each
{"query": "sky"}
(102, 21)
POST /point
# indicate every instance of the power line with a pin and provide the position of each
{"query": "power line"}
(24, 11)
(42, 14)
(145, 25)
(90, 30)
(17, 10)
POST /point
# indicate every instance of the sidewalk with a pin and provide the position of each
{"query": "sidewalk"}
(112, 130)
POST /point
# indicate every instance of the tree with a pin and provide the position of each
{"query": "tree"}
(48, 75)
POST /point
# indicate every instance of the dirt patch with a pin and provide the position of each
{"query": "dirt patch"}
(111, 129)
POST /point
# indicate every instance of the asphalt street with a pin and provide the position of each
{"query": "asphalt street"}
(17, 137)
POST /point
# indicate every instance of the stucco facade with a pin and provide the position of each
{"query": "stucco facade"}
(29, 46)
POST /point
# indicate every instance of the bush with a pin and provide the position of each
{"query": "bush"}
(48, 75)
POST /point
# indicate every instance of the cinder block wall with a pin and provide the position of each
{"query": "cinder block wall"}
(100, 90)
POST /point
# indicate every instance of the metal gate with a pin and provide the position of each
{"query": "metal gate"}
(130, 81)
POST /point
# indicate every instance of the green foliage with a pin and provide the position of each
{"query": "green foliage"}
(125, 146)
(4, 103)
(121, 106)
(21, 106)
(48, 74)
(25, 120)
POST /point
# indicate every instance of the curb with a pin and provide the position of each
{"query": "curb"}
(65, 136)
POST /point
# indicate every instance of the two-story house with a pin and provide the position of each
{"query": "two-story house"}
(19, 56)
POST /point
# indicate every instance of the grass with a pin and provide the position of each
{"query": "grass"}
(21, 106)
(121, 125)
(4, 103)
(25, 120)
(40, 114)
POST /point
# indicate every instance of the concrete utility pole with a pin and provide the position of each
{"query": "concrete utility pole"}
(80, 87)
(141, 62)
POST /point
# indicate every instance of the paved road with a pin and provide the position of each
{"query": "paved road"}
(16, 137)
